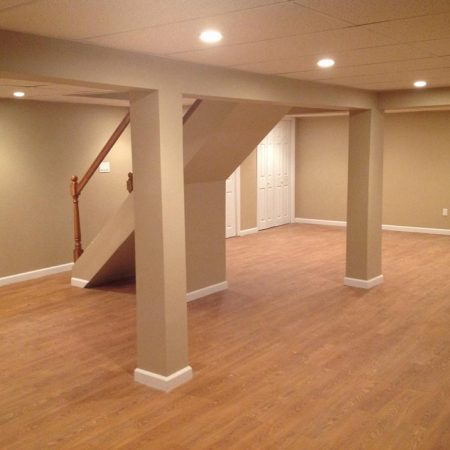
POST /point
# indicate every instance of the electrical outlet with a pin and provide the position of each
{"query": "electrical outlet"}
(105, 167)
(445, 212)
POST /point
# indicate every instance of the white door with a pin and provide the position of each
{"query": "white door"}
(274, 176)
(231, 205)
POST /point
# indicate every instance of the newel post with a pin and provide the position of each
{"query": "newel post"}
(130, 182)
(78, 250)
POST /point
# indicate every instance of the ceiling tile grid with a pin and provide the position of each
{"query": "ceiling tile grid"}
(377, 44)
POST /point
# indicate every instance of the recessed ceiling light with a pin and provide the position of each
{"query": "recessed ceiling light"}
(211, 36)
(420, 83)
(326, 62)
(19, 94)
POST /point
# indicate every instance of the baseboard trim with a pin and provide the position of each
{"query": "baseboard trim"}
(163, 383)
(331, 223)
(248, 231)
(364, 284)
(78, 282)
(443, 231)
(17, 278)
(401, 228)
(208, 290)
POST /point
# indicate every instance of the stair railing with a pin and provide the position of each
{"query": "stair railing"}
(76, 187)
(186, 116)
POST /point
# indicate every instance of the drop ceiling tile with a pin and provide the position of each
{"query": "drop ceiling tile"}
(357, 57)
(76, 19)
(386, 69)
(364, 11)
(251, 25)
(408, 76)
(393, 85)
(439, 47)
(322, 43)
(415, 29)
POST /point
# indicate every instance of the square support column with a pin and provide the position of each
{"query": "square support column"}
(364, 203)
(157, 149)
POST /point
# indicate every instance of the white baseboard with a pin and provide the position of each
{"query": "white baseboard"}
(404, 229)
(78, 282)
(248, 231)
(35, 274)
(443, 231)
(331, 223)
(208, 290)
(163, 383)
(364, 284)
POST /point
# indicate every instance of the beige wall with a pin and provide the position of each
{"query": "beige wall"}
(41, 146)
(248, 192)
(321, 167)
(416, 168)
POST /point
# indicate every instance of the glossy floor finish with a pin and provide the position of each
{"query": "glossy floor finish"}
(287, 358)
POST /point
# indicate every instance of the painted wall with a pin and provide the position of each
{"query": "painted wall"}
(248, 192)
(416, 168)
(42, 145)
(321, 165)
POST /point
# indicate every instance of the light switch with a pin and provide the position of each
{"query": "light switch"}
(105, 167)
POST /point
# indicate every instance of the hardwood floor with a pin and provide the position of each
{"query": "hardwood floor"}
(287, 358)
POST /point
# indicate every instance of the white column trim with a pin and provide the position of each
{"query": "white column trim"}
(364, 284)
(78, 282)
(161, 382)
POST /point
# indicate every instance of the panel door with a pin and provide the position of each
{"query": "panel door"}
(274, 156)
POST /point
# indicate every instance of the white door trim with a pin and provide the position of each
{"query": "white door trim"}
(292, 180)
(238, 200)
(237, 203)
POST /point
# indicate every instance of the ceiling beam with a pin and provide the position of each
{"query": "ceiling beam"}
(48, 59)
(417, 99)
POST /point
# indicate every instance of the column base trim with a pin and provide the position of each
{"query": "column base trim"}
(208, 290)
(161, 382)
(78, 282)
(364, 284)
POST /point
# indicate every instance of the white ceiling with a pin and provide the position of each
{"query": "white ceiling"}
(377, 44)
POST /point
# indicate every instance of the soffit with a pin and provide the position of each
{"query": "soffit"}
(377, 45)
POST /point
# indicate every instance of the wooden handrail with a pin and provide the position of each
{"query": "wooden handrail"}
(191, 110)
(77, 186)
(103, 153)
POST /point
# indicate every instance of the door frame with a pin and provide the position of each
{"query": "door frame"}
(291, 175)
(237, 201)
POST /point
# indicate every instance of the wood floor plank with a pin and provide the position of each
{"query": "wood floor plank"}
(286, 358)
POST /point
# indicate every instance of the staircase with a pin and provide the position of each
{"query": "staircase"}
(217, 137)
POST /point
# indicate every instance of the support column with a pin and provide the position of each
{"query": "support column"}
(157, 149)
(364, 203)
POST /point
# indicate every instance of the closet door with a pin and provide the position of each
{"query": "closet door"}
(274, 157)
